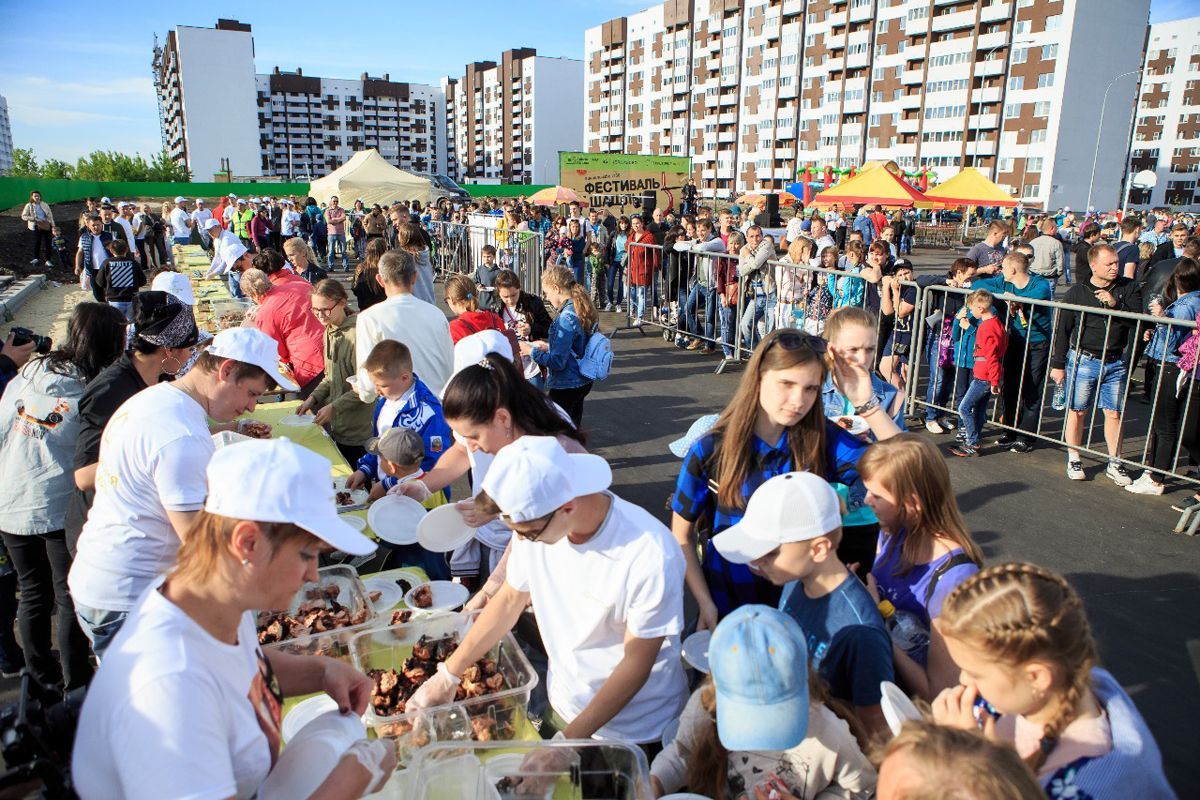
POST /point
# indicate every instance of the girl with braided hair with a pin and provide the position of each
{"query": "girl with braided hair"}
(1021, 639)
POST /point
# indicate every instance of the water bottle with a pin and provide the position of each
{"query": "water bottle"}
(906, 630)
(1059, 401)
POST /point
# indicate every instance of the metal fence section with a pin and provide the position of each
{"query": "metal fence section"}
(1148, 429)
(458, 249)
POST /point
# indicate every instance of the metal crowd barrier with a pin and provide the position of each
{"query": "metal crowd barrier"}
(1025, 405)
(458, 250)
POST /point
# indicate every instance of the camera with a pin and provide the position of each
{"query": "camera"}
(41, 344)
(36, 736)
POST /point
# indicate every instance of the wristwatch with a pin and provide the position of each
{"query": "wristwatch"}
(873, 403)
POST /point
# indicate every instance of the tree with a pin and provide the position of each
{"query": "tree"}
(162, 168)
(25, 163)
(53, 169)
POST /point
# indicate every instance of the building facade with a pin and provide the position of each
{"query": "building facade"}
(217, 114)
(757, 90)
(6, 140)
(510, 119)
(1166, 135)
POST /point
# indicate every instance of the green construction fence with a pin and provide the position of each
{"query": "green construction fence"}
(15, 191)
(501, 190)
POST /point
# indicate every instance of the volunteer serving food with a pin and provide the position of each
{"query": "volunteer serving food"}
(185, 703)
(150, 477)
(606, 582)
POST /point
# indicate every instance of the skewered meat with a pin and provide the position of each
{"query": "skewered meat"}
(401, 617)
(375, 596)
(255, 429)
(319, 612)
(344, 499)
(423, 597)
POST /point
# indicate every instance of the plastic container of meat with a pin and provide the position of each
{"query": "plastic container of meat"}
(581, 770)
(351, 594)
(499, 714)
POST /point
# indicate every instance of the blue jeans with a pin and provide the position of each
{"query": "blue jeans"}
(337, 245)
(973, 409)
(727, 326)
(941, 379)
(580, 273)
(637, 301)
(616, 283)
(182, 240)
(906, 244)
(124, 308)
(750, 316)
(1085, 374)
(100, 626)
(360, 247)
(235, 285)
(697, 296)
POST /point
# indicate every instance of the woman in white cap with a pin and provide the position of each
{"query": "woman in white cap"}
(185, 703)
(150, 477)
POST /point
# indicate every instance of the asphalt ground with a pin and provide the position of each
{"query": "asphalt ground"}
(1139, 582)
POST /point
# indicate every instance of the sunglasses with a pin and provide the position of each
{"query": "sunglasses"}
(529, 536)
(795, 340)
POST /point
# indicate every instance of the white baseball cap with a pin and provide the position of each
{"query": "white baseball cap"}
(534, 476)
(241, 201)
(244, 482)
(124, 204)
(211, 222)
(105, 200)
(252, 346)
(174, 283)
(793, 507)
(474, 348)
(180, 199)
(232, 196)
(199, 201)
(236, 251)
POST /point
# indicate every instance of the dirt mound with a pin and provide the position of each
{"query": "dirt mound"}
(16, 242)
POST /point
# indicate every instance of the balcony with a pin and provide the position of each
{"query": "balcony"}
(989, 40)
(729, 136)
(994, 66)
(728, 118)
(950, 22)
(912, 77)
(991, 94)
(977, 121)
(907, 125)
(995, 11)
(981, 147)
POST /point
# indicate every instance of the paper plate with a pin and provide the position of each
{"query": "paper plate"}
(358, 500)
(896, 705)
(684, 796)
(695, 650)
(446, 595)
(358, 523)
(394, 518)
(305, 712)
(443, 529)
(297, 420)
(390, 593)
(853, 424)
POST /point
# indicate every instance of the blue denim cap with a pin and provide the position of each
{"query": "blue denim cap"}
(759, 664)
(680, 447)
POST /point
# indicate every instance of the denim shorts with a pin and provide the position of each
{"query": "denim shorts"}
(1085, 373)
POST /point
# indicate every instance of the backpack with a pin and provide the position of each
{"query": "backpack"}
(596, 362)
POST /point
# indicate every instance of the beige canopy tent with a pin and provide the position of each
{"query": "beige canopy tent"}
(368, 176)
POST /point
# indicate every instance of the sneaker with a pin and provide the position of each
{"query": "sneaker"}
(637, 323)
(694, 344)
(961, 434)
(48, 264)
(1184, 505)
(1145, 485)
(1020, 446)
(33, 261)
(608, 307)
(948, 423)
(680, 342)
(965, 450)
(1075, 471)
(1006, 439)
(932, 426)
(1120, 476)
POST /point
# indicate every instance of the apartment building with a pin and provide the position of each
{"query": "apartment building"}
(217, 114)
(755, 90)
(6, 140)
(1166, 136)
(510, 119)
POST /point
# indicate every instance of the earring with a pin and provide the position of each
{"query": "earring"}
(245, 562)
(178, 365)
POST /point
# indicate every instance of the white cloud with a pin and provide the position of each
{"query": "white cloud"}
(134, 88)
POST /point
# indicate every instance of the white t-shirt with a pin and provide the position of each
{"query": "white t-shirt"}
(152, 459)
(201, 216)
(174, 712)
(290, 220)
(626, 578)
(415, 323)
(179, 223)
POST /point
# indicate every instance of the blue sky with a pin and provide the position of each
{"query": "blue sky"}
(77, 75)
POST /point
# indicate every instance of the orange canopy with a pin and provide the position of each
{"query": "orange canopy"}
(970, 188)
(878, 185)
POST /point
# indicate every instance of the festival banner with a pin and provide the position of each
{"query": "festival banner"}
(617, 179)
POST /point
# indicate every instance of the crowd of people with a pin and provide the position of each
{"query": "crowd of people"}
(821, 543)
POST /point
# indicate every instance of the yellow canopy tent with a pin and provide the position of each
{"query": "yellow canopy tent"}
(370, 177)
(970, 188)
(877, 183)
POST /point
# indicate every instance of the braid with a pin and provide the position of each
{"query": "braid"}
(1015, 613)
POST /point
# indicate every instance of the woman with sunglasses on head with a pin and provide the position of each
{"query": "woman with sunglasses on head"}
(774, 424)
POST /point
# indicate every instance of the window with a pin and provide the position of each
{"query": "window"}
(1012, 110)
(882, 25)
(1053, 22)
(1030, 190)
(1045, 80)
(1049, 51)
(1038, 136)
(1020, 55)
(1005, 165)
(1034, 164)
(1016, 83)
(1041, 109)
(856, 49)
(1022, 27)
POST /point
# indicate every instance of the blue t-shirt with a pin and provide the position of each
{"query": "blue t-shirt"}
(847, 640)
(910, 591)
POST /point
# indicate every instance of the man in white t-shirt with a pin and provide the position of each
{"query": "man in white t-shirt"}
(150, 478)
(289, 221)
(606, 582)
(181, 222)
(200, 216)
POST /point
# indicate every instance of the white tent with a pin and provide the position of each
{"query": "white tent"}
(368, 176)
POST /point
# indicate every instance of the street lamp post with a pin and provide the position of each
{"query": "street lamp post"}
(979, 117)
(1100, 128)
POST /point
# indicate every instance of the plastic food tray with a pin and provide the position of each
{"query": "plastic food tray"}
(335, 643)
(587, 770)
(217, 308)
(388, 648)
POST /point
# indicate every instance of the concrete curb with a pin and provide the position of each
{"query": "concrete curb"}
(13, 297)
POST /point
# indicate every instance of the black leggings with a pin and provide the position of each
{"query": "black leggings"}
(1172, 427)
(41, 243)
(42, 564)
(571, 401)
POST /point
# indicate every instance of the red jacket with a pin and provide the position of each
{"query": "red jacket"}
(642, 260)
(991, 340)
(475, 321)
(285, 315)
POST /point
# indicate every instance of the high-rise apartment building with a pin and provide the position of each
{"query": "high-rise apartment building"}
(217, 113)
(1166, 135)
(6, 140)
(511, 119)
(756, 90)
